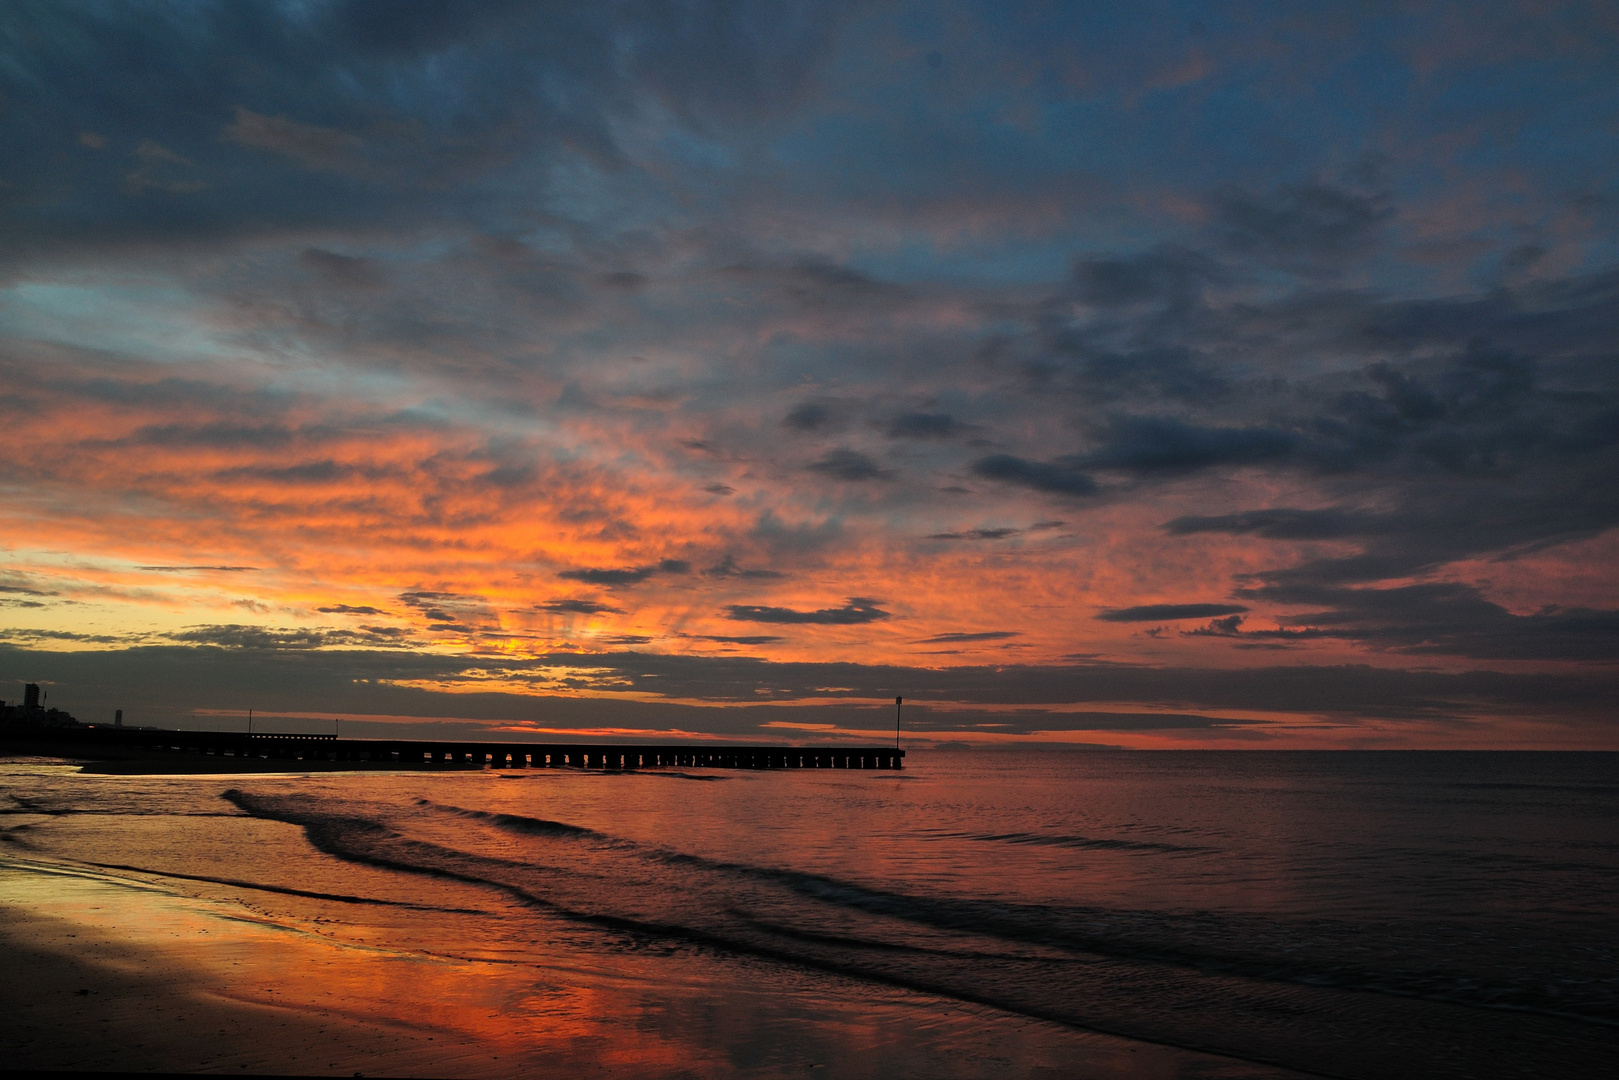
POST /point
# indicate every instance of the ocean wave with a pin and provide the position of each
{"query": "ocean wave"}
(1086, 966)
(1069, 841)
(284, 890)
(517, 823)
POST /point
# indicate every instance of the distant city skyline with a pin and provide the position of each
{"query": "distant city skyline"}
(1166, 375)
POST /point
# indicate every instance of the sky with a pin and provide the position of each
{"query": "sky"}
(1229, 375)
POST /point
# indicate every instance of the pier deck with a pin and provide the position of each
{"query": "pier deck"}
(456, 753)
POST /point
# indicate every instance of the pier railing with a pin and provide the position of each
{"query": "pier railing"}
(471, 753)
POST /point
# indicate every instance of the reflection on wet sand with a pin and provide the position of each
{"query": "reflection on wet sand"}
(194, 981)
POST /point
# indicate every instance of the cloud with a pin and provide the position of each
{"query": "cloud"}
(988, 635)
(578, 607)
(821, 285)
(1230, 626)
(1301, 222)
(1439, 618)
(628, 575)
(347, 271)
(727, 567)
(447, 612)
(1055, 478)
(1000, 533)
(812, 416)
(321, 149)
(444, 301)
(1285, 524)
(161, 169)
(345, 609)
(235, 636)
(1170, 274)
(978, 534)
(858, 610)
(1163, 444)
(281, 674)
(923, 426)
(1169, 612)
(850, 465)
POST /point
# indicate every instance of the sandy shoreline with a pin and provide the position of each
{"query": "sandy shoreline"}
(118, 974)
(88, 994)
(186, 940)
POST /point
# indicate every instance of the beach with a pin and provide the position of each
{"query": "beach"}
(114, 970)
(698, 923)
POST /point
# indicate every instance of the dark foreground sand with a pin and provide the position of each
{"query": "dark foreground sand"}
(77, 999)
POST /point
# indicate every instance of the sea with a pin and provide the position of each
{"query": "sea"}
(1054, 912)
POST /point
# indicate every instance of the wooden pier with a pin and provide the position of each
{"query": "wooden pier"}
(457, 753)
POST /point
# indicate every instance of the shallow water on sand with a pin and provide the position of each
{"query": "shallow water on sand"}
(1355, 915)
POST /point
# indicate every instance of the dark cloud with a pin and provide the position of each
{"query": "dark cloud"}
(1163, 444)
(345, 609)
(1169, 275)
(220, 118)
(989, 635)
(850, 465)
(296, 639)
(727, 567)
(1169, 612)
(751, 639)
(347, 271)
(1001, 533)
(187, 569)
(923, 426)
(380, 28)
(1055, 478)
(1286, 524)
(858, 610)
(1122, 721)
(496, 211)
(264, 671)
(978, 534)
(578, 607)
(1230, 626)
(627, 575)
(1438, 618)
(1308, 222)
(822, 286)
(21, 584)
(451, 612)
(310, 472)
(812, 416)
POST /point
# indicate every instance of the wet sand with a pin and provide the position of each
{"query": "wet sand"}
(107, 972)
(118, 974)
(86, 995)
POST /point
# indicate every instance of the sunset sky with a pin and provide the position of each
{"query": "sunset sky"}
(1135, 375)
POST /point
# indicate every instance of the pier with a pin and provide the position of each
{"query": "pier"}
(456, 753)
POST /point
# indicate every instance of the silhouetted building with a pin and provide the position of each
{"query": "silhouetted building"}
(118, 718)
(31, 713)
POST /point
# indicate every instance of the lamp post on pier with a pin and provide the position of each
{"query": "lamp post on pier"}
(898, 701)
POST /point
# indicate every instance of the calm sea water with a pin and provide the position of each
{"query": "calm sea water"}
(1347, 914)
